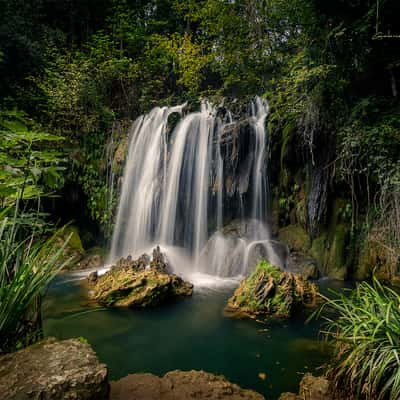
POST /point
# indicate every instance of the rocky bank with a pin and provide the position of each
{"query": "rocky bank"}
(179, 385)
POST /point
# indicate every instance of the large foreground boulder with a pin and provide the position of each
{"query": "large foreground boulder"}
(138, 283)
(179, 385)
(53, 370)
(271, 291)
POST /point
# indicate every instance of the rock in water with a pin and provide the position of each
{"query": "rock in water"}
(271, 291)
(53, 370)
(139, 283)
(179, 385)
(91, 261)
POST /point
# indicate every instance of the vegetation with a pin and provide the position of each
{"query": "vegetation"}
(364, 329)
(26, 268)
(30, 254)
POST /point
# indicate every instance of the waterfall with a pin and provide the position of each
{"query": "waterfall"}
(174, 192)
(139, 204)
(259, 112)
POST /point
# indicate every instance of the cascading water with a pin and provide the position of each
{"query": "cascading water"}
(174, 190)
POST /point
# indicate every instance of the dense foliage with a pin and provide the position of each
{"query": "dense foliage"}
(329, 70)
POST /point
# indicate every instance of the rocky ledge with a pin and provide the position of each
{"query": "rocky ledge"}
(138, 283)
(271, 291)
(314, 388)
(53, 370)
(179, 385)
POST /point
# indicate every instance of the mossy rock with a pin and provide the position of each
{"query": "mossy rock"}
(329, 249)
(138, 283)
(271, 291)
(336, 266)
(319, 249)
(120, 156)
(75, 241)
(296, 238)
(127, 288)
(375, 259)
(73, 251)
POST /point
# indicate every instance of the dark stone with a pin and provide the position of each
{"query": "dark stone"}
(92, 278)
(90, 262)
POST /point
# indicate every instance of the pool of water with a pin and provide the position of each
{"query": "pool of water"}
(192, 333)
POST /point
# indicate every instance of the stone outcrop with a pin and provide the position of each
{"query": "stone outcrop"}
(138, 283)
(271, 291)
(179, 385)
(53, 370)
(326, 249)
(313, 388)
(90, 262)
(298, 243)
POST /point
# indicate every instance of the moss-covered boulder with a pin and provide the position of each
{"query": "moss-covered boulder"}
(73, 251)
(271, 291)
(138, 283)
(329, 249)
(377, 259)
(295, 237)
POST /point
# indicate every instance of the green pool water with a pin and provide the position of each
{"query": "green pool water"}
(188, 334)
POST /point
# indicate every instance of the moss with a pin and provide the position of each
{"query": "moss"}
(336, 263)
(319, 250)
(75, 242)
(120, 155)
(93, 251)
(375, 259)
(329, 249)
(295, 237)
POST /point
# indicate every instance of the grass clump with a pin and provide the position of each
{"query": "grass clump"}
(27, 265)
(364, 329)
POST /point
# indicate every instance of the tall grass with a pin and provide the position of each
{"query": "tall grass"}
(364, 329)
(26, 268)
